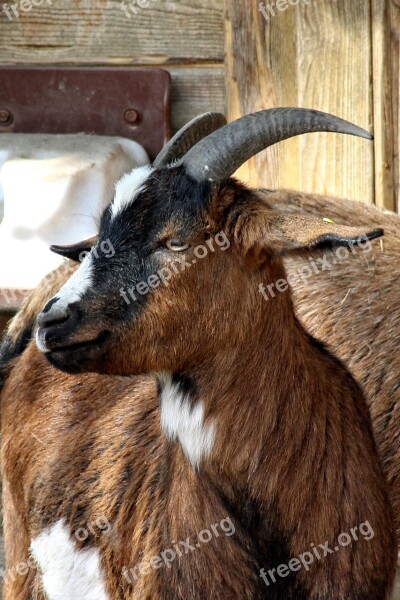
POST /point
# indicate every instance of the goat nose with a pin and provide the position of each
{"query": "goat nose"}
(56, 323)
(53, 314)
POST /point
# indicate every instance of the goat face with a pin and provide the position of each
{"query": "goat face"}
(157, 302)
(138, 301)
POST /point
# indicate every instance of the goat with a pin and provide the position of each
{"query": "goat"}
(352, 307)
(20, 329)
(193, 404)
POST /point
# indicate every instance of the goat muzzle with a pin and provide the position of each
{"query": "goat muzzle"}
(59, 331)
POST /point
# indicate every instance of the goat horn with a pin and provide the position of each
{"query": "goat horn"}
(216, 157)
(191, 133)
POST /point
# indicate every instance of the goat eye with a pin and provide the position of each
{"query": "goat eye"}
(176, 245)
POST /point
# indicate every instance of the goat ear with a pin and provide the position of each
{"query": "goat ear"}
(74, 251)
(262, 231)
(291, 233)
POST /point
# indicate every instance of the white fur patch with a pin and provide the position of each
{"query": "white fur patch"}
(76, 286)
(182, 420)
(72, 291)
(67, 573)
(40, 345)
(128, 188)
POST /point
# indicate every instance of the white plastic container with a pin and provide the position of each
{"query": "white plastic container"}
(53, 189)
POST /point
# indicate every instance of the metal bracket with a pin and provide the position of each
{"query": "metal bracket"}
(129, 102)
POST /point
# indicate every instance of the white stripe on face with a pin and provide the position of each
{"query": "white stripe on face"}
(72, 291)
(67, 572)
(182, 420)
(76, 286)
(128, 188)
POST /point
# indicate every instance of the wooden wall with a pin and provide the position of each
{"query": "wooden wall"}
(340, 56)
(185, 37)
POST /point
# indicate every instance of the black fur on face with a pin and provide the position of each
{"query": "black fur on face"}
(171, 206)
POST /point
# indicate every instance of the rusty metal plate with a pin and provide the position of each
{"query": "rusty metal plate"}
(130, 102)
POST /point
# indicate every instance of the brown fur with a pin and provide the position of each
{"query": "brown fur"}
(354, 308)
(33, 304)
(294, 460)
(20, 328)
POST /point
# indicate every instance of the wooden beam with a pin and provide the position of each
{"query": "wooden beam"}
(395, 84)
(317, 55)
(383, 110)
(113, 32)
(196, 90)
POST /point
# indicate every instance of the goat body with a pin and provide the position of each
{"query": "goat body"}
(242, 416)
(353, 308)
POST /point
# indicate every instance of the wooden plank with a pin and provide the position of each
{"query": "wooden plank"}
(312, 55)
(249, 77)
(395, 78)
(382, 98)
(334, 67)
(101, 32)
(194, 91)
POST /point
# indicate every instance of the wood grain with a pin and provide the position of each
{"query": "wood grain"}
(314, 55)
(194, 91)
(395, 81)
(382, 102)
(184, 37)
(99, 32)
